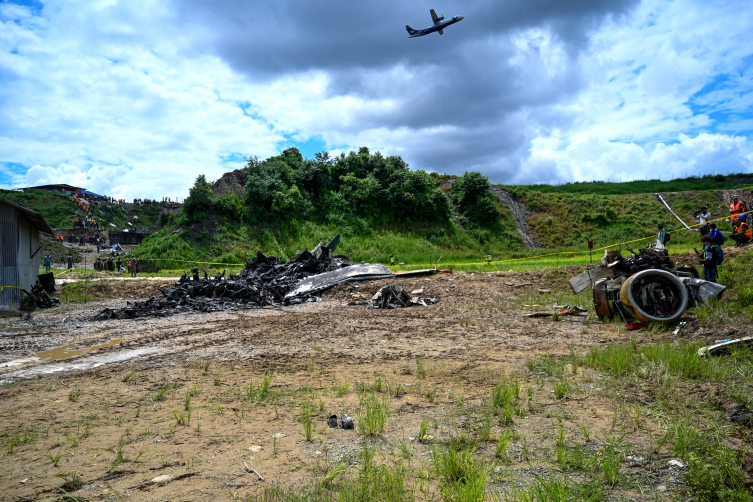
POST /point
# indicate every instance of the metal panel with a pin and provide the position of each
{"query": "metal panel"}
(9, 296)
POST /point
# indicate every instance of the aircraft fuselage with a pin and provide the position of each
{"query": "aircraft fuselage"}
(432, 29)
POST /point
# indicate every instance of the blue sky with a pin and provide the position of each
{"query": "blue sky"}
(135, 99)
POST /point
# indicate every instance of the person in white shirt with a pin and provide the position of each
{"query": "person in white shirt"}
(703, 217)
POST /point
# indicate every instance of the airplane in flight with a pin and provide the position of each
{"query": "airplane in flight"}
(439, 25)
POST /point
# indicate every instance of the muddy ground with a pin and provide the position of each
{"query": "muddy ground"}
(105, 423)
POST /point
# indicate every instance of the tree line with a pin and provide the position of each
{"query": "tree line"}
(359, 190)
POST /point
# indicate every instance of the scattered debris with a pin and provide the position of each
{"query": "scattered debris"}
(38, 299)
(544, 290)
(393, 296)
(519, 285)
(251, 471)
(635, 326)
(346, 422)
(679, 327)
(264, 281)
(726, 347)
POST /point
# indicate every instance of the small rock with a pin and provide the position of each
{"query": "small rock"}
(278, 435)
(24, 480)
(255, 448)
(661, 488)
(347, 422)
(158, 441)
(163, 479)
(635, 458)
(676, 463)
(332, 421)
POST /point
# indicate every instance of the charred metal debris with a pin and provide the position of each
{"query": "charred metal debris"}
(393, 296)
(644, 287)
(38, 299)
(264, 281)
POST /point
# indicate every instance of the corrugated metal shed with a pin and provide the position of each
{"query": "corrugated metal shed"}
(19, 243)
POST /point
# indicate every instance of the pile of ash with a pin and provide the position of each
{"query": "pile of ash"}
(265, 280)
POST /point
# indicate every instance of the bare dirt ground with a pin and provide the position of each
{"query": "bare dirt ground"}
(105, 423)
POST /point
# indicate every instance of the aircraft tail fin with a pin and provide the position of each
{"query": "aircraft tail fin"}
(411, 31)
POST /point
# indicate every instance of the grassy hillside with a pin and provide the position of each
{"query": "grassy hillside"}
(565, 220)
(692, 183)
(57, 209)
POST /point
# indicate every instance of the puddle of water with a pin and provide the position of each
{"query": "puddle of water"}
(60, 353)
(84, 364)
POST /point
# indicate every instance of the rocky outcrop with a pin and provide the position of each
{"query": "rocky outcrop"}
(520, 214)
(230, 182)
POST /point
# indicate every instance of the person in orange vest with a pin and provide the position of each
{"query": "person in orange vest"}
(742, 233)
(736, 208)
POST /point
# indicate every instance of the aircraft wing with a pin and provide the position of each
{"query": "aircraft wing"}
(434, 16)
(441, 32)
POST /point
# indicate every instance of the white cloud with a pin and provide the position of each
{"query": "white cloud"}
(636, 118)
(127, 100)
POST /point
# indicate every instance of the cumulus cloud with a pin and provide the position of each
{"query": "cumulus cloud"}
(140, 97)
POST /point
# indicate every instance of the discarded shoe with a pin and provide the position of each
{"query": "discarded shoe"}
(346, 422)
(332, 421)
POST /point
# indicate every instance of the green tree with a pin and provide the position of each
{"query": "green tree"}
(474, 201)
(199, 200)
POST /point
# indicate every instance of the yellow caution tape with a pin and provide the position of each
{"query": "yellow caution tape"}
(588, 250)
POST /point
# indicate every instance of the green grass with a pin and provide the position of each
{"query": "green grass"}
(373, 413)
(618, 187)
(692, 429)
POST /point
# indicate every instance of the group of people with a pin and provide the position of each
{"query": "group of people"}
(712, 238)
(86, 223)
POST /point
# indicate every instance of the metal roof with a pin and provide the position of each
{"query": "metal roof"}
(36, 219)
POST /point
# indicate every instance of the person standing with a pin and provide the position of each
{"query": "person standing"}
(703, 218)
(661, 237)
(715, 235)
(710, 257)
(736, 208)
(134, 264)
(119, 263)
(392, 260)
(47, 262)
(488, 259)
(70, 261)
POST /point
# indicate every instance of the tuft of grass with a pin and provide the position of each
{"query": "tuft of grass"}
(546, 364)
(462, 476)
(420, 370)
(561, 388)
(308, 427)
(373, 414)
(423, 429)
(332, 474)
(127, 378)
(260, 393)
(55, 459)
(162, 392)
(72, 481)
(501, 451)
(484, 429)
(73, 395)
(504, 398)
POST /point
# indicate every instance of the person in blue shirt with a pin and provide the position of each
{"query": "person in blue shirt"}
(716, 235)
(709, 255)
(47, 263)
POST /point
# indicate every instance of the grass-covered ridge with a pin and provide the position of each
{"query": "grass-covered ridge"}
(691, 183)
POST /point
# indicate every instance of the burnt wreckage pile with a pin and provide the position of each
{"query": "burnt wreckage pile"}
(648, 288)
(265, 280)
